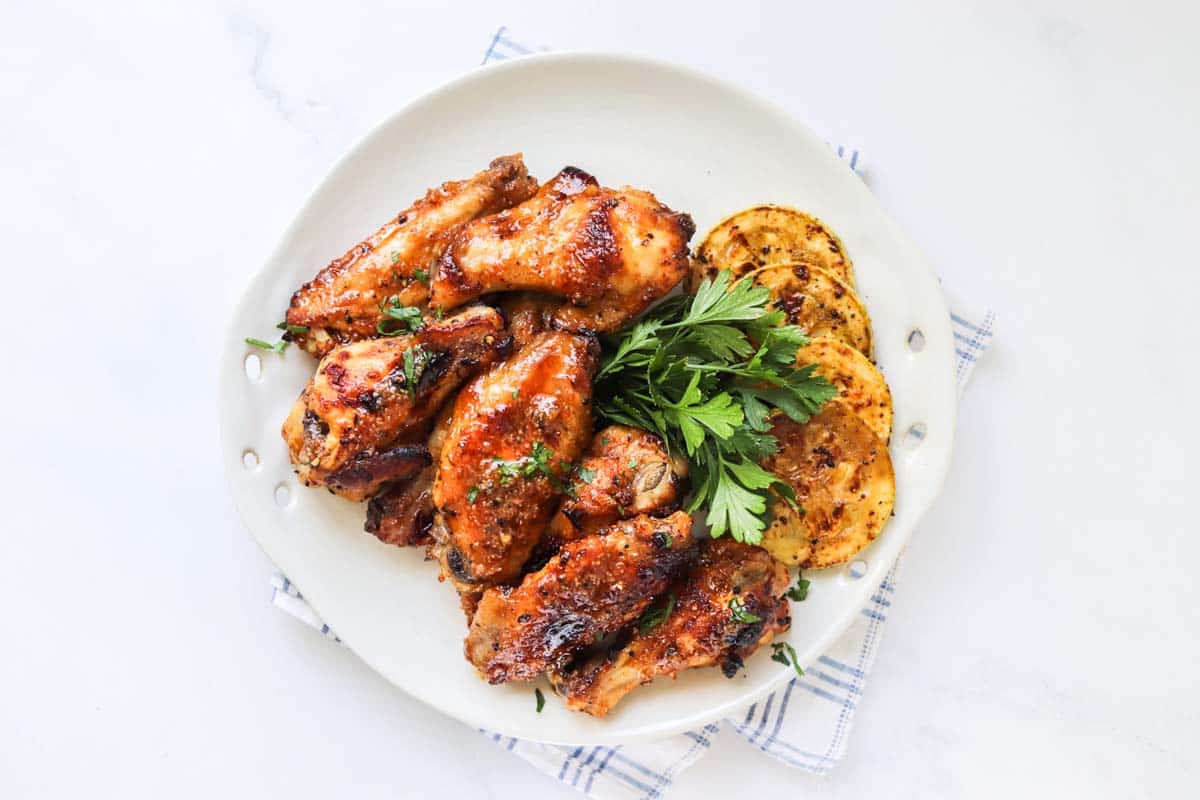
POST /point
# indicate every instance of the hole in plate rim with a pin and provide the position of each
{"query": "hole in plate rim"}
(914, 435)
(915, 340)
(252, 366)
(856, 569)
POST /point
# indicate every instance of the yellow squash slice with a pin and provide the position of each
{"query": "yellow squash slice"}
(860, 385)
(844, 485)
(766, 235)
(817, 302)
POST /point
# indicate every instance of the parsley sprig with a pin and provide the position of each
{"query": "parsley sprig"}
(799, 592)
(705, 373)
(538, 462)
(785, 654)
(274, 347)
(398, 318)
(653, 617)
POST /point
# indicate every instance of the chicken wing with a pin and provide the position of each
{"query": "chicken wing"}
(731, 604)
(402, 514)
(359, 422)
(528, 314)
(610, 252)
(341, 304)
(626, 472)
(515, 433)
(594, 586)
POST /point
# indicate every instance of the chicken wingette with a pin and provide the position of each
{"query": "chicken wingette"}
(594, 586)
(515, 434)
(610, 252)
(342, 303)
(361, 421)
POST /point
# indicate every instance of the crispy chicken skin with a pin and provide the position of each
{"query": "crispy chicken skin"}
(341, 304)
(528, 314)
(701, 631)
(516, 432)
(359, 423)
(630, 473)
(593, 587)
(610, 252)
(402, 514)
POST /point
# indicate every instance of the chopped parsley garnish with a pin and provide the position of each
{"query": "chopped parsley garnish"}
(537, 462)
(586, 475)
(798, 592)
(421, 275)
(414, 364)
(283, 326)
(516, 393)
(398, 319)
(705, 373)
(541, 699)
(653, 617)
(395, 256)
(740, 613)
(472, 493)
(274, 347)
(785, 654)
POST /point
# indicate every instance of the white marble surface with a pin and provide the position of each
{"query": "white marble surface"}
(1044, 640)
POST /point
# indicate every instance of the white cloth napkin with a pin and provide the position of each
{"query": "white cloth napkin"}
(805, 724)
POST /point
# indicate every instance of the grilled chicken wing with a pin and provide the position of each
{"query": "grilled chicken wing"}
(341, 304)
(626, 472)
(515, 434)
(528, 314)
(594, 586)
(359, 422)
(402, 514)
(610, 252)
(712, 623)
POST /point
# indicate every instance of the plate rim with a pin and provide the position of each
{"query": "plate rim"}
(233, 353)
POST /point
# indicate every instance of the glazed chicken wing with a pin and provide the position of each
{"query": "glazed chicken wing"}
(515, 433)
(610, 252)
(402, 514)
(360, 421)
(626, 472)
(528, 314)
(341, 304)
(730, 605)
(594, 586)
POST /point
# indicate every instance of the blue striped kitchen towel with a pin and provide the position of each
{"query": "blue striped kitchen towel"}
(805, 724)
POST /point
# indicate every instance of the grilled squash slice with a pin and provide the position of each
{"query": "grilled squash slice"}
(766, 235)
(844, 484)
(817, 302)
(860, 385)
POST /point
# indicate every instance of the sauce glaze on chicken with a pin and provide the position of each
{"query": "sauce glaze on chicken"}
(557, 539)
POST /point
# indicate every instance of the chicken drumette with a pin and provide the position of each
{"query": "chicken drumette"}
(627, 471)
(594, 586)
(729, 605)
(402, 514)
(361, 420)
(341, 304)
(610, 252)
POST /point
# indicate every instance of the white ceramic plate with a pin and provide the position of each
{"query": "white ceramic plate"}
(702, 146)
